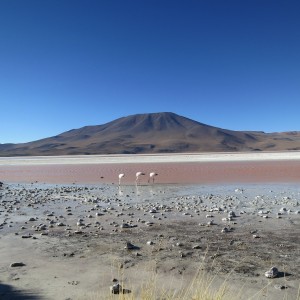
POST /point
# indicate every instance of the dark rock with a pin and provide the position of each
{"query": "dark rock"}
(17, 264)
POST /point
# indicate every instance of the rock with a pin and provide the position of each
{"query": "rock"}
(42, 227)
(149, 223)
(17, 264)
(196, 247)
(26, 236)
(116, 288)
(231, 214)
(272, 273)
(149, 243)
(280, 287)
(130, 246)
(125, 225)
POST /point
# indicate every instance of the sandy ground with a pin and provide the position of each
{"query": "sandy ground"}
(71, 237)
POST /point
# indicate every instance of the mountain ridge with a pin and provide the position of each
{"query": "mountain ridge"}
(164, 132)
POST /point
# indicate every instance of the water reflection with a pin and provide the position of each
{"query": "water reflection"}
(140, 193)
(137, 190)
(120, 192)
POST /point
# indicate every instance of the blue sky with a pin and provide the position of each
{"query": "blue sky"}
(67, 64)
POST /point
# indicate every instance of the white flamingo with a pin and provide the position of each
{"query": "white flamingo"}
(152, 176)
(120, 177)
(138, 175)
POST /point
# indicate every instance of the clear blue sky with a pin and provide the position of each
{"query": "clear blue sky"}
(67, 64)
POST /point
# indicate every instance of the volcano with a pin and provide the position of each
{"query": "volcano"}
(153, 133)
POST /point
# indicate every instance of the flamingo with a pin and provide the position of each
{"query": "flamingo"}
(138, 174)
(152, 176)
(120, 177)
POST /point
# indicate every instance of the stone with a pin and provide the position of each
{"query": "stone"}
(116, 288)
(26, 236)
(280, 287)
(125, 225)
(17, 264)
(231, 214)
(130, 246)
(272, 273)
(196, 247)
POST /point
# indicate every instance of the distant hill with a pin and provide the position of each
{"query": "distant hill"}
(153, 133)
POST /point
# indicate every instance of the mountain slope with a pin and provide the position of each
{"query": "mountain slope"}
(153, 133)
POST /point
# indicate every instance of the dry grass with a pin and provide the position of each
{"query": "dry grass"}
(199, 289)
(202, 287)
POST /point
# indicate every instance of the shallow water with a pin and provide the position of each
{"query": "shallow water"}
(242, 194)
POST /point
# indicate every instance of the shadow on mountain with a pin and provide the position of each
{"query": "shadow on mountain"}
(8, 292)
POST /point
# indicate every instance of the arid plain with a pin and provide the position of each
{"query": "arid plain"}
(230, 216)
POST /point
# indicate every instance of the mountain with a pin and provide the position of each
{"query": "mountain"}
(153, 133)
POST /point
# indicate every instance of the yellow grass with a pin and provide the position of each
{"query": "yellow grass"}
(202, 287)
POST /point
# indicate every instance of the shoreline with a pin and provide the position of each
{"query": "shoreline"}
(151, 158)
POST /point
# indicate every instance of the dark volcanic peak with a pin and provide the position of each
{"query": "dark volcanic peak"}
(154, 121)
(153, 133)
(138, 124)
